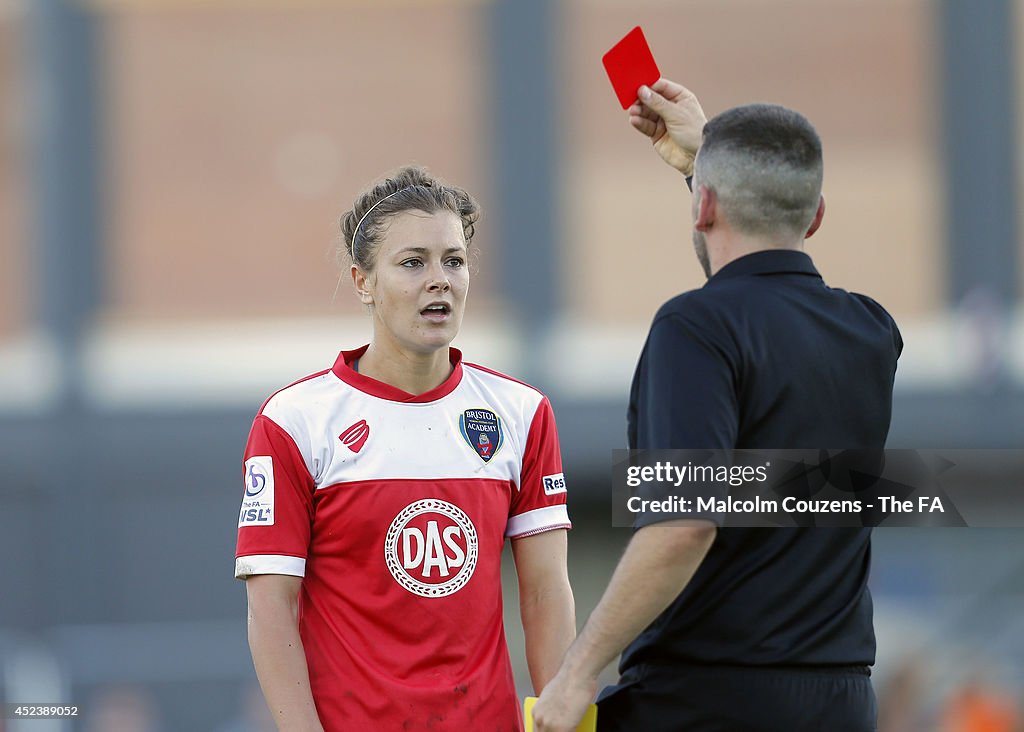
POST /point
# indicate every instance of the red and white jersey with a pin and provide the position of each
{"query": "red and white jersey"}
(394, 509)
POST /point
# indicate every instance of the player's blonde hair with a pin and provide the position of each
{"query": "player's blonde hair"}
(409, 189)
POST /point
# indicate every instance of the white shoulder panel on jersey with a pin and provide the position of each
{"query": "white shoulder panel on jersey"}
(510, 389)
(304, 410)
(346, 435)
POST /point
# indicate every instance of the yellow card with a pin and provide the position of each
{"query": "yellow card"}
(589, 723)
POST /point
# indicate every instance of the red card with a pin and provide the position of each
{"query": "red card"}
(630, 65)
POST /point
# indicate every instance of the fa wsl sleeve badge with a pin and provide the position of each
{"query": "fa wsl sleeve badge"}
(258, 501)
(481, 428)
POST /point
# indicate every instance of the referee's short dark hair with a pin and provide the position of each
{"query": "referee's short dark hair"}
(764, 163)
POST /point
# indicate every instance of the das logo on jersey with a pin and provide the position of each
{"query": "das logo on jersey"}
(481, 428)
(431, 548)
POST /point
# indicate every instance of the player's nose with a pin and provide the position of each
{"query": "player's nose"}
(437, 281)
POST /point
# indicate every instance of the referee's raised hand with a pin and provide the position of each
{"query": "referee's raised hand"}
(671, 116)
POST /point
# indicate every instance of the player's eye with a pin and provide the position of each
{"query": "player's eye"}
(455, 262)
(411, 262)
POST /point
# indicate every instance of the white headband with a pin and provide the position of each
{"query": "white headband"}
(359, 225)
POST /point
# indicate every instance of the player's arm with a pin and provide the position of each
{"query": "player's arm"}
(546, 604)
(657, 565)
(277, 651)
(671, 116)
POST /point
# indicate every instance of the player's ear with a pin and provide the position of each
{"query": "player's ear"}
(707, 209)
(816, 224)
(361, 282)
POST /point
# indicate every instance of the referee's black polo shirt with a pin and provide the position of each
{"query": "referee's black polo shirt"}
(767, 356)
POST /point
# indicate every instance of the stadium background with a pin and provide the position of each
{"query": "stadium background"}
(171, 174)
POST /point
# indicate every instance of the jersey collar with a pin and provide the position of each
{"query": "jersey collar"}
(343, 370)
(767, 261)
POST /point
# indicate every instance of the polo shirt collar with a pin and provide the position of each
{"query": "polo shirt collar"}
(768, 261)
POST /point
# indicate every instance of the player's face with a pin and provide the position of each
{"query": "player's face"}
(419, 284)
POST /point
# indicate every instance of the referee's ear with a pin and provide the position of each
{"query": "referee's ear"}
(361, 282)
(816, 224)
(706, 209)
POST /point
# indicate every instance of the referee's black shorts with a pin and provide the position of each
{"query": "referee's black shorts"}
(739, 699)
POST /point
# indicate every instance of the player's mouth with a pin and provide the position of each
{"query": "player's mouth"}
(437, 312)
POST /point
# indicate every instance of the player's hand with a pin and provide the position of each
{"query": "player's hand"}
(563, 703)
(671, 116)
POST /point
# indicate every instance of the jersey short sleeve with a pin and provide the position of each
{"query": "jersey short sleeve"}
(540, 502)
(275, 518)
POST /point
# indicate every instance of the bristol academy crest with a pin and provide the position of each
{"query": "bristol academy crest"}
(481, 428)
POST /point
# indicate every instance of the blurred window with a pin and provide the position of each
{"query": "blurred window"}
(238, 134)
(15, 182)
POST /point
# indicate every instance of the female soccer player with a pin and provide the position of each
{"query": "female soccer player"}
(379, 493)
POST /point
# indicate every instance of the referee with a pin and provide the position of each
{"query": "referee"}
(737, 629)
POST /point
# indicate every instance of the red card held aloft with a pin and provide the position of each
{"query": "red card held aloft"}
(630, 65)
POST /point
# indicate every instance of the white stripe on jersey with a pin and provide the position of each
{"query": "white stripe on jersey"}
(418, 440)
(269, 564)
(539, 519)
